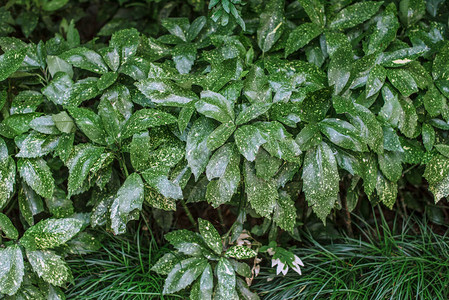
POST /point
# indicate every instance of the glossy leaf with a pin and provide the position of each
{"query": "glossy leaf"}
(50, 267)
(37, 175)
(354, 14)
(12, 269)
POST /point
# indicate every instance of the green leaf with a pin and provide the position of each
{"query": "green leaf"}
(440, 189)
(443, 149)
(59, 90)
(165, 92)
(183, 274)
(8, 228)
(210, 236)
(266, 165)
(203, 288)
(428, 136)
(248, 139)
(411, 11)
(10, 61)
(386, 190)
(126, 42)
(89, 123)
(166, 263)
(321, 179)
(403, 81)
(390, 164)
(30, 203)
(12, 271)
(37, 175)
(81, 160)
(184, 56)
(240, 252)
(86, 59)
(36, 144)
(408, 123)
(157, 177)
(220, 135)
(63, 122)
(7, 178)
(177, 26)
(50, 267)
(308, 137)
(188, 242)
(339, 70)
(384, 31)
(315, 11)
(59, 205)
(127, 203)
(226, 280)
(434, 102)
(44, 124)
(440, 68)
(392, 111)
(215, 106)
(146, 118)
(285, 212)
(342, 134)
(436, 169)
(56, 64)
(355, 14)
(270, 24)
(251, 112)
(301, 36)
(52, 5)
(197, 152)
(184, 117)
(50, 233)
(369, 127)
(375, 81)
(223, 172)
(262, 194)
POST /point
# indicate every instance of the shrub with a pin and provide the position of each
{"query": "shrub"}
(275, 99)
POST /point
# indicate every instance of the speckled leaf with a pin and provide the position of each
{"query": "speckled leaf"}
(375, 81)
(165, 92)
(8, 229)
(50, 233)
(89, 123)
(226, 280)
(106, 80)
(339, 70)
(248, 139)
(251, 112)
(184, 117)
(240, 252)
(177, 27)
(184, 273)
(220, 135)
(166, 263)
(157, 177)
(266, 165)
(270, 26)
(214, 105)
(197, 152)
(301, 36)
(436, 169)
(59, 205)
(11, 269)
(434, 102)
(285, 212)
(44, 124)
(244, 291)
(223, 172)
(386, 190)
(146, 118)
(203, 288)
(321, 179)
(428, 136)
(315, 11)
(440, 189)
(390, 164)
(210, 236)
(81, 160)
(308, 137)
(403, 81)
(11, 61)
(37, 175)
(56, 64)
(63, 122)
(127, 203)
(440, 68)
(126, 42)
(188, 242)
(354, 14)
(36, 144)
(262, 194)
(53, 5)
(369, 127)
(411, 11)
(256, 88)
(391, 112)
(342, 134)
(59, 90)
(184, 56)
(7, 177)
(50, 267)
(369, 174)
(85, 58)
(408, 123)
(30, 203)
(384, 31)
(443, 149)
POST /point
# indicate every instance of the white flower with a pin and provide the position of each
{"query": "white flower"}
(281, 267)
(296, 263)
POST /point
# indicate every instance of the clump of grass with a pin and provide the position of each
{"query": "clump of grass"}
(381, 264)
(119, 270)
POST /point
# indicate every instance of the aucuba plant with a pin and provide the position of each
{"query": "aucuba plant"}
(284, 99)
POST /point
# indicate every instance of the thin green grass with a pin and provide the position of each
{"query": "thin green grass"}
(411, 264)
(120, 270)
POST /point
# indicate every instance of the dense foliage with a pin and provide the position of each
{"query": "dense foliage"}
(251, 106)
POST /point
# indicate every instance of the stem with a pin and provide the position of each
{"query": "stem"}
(188, 213)
(347, 217)
(123, 165)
